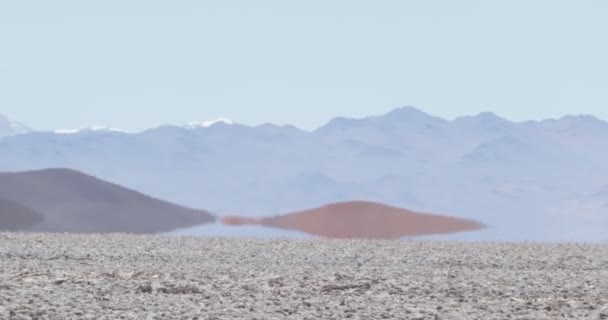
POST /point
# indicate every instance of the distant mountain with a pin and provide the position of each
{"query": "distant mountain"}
(61, 200)
(400, 119)
(9, 128)
(485, 124)
(511, 176)
(576, 125)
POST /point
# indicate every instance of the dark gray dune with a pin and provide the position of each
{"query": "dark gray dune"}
(14, 216)
(70, 201)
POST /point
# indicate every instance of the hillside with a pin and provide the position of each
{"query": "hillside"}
(70, 201)
(14, 217)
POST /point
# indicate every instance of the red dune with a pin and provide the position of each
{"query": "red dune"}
(367, 220)
(239, 221)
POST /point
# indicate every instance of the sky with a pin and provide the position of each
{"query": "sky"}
(142, 63)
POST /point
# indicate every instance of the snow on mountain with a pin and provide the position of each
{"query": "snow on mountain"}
(9, 128)
(90, 129)
(207, 124)
(513, 177)
(19, 128)
(190, 125)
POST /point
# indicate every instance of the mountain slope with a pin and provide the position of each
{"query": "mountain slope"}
(70, 201)
(15, 217)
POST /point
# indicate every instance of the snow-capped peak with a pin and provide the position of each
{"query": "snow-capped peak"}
(90, 129)
(19, 128)
(191, 125)
(10, 128)
(207, 124)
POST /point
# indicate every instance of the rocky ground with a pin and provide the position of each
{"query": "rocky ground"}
(46, 276)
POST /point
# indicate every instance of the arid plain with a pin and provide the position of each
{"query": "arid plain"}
(63, 276)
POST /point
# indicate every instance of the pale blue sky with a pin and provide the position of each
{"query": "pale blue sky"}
(137, 64)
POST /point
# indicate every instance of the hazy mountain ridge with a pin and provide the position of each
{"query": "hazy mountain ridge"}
(512, 176)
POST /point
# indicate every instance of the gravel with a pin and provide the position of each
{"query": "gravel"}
(44, 276)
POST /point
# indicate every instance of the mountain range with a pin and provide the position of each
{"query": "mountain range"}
(535, 180)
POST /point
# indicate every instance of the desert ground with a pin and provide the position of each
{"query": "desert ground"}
(66, 276)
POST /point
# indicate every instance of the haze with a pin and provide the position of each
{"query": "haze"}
(139, 64)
